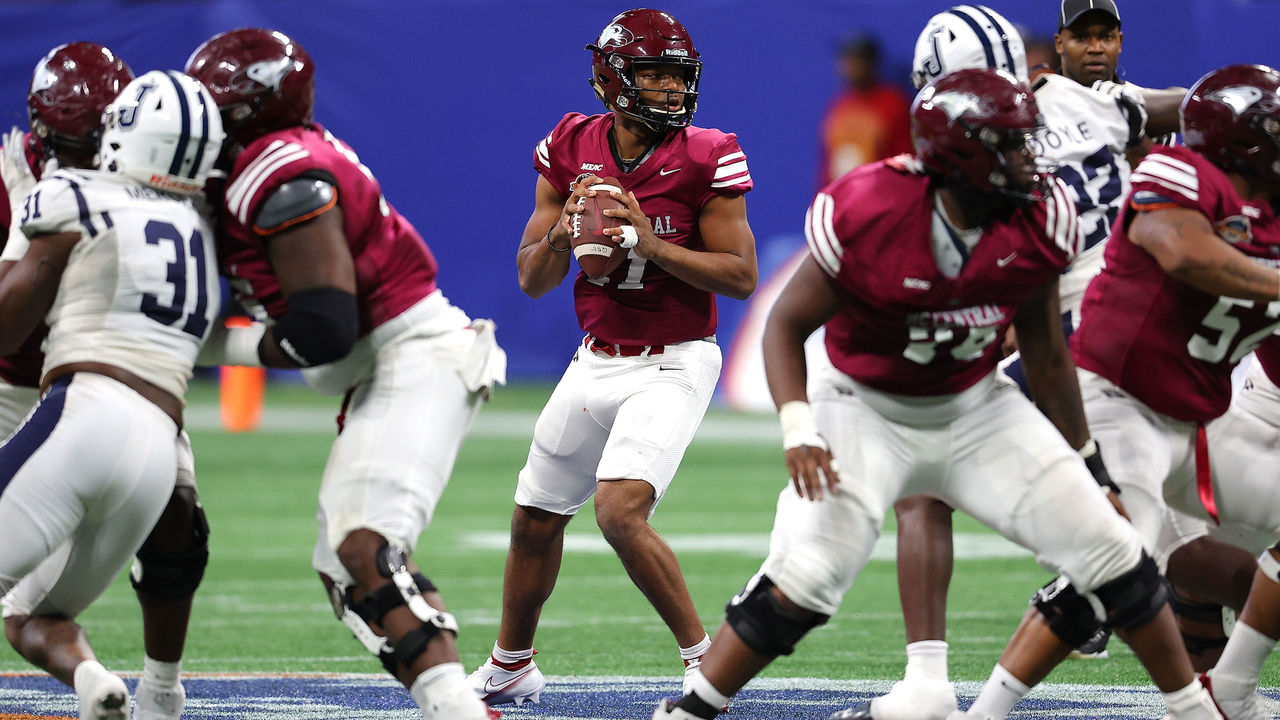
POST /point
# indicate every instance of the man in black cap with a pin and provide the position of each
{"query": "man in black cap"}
(1089, 40)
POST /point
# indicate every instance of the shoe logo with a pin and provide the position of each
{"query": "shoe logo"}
(1001, 262)
(491, 687)
(665, 172)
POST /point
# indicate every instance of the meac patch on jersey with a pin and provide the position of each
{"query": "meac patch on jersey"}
(140, 290)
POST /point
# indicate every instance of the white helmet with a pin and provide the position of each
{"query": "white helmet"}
(967, 36)
(164, 130)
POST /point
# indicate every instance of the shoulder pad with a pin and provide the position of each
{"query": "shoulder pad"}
(296, 201)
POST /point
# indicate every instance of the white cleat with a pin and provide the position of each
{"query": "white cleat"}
(497, 686)
(1233, 700)
(909, 700)
(102, 694)
(153, 702)
(667, 710)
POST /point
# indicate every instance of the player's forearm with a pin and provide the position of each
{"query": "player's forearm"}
(1219, 269)
(541, 266)
(1163, 106)
(785, 367)
(722, 273)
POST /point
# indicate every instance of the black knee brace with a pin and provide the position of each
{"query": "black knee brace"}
(1069, 614)
(167, 573)
(763, 625)
(1204, 628)
(1135, 597)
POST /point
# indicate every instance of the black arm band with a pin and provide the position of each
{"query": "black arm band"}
(1093, 460)
(321, 326)
(553, 247)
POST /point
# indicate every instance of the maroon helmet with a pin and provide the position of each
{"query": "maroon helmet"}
(70, 88)
(633, 39)
(968, 125)
(261, 79)
(1232, 117)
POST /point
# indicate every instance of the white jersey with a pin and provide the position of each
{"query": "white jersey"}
(140, 290)
(1087, 135)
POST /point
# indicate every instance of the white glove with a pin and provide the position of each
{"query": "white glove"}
(18, 179)
(1131, 97)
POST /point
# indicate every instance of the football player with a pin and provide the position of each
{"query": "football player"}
(69, 90)
(121, 264)
(915, 294)
(346, 290)
(649, 362)
(1189, 287)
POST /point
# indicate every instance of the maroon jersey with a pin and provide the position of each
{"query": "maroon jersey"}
(1268, 357)
(904, 327)
(641, 303)
(1168, 344)
(394, 267)
(22, 367)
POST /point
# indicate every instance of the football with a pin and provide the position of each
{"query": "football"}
(597, 254)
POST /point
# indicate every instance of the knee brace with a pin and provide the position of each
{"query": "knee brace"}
(1135, 597)
(1069, 614)
(759, 619)
(1205, 628)
(404, 589)
(170, 574)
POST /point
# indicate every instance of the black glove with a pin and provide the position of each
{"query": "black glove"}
(1093, 460)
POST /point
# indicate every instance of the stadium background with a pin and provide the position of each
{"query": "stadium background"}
(444, 100)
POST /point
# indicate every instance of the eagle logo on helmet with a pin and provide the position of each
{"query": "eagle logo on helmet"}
(1237, 97)
(955, 104)
(267, 73)
(615, 35)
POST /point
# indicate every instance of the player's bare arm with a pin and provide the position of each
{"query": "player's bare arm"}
(805, 304)
(30, 285)
(1163, 116)
(1185, 245)
(543, 258)
(728, 265)
(1051, 374)
(311, 256)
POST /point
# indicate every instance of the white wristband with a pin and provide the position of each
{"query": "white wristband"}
(629, 237)
(798, 426)
(232, 346)
(1089, 449)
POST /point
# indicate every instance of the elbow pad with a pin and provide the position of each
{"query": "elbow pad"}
(321, 326)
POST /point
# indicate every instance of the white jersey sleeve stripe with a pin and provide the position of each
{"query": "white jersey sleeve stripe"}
(281, 159)
(250, 175)
(729, 183)
(725, 171)
(1144, 177)
(819, 232)
(731, 157)
(1173, 162)
(1062, 225)
(1182, 179)
(544, 152)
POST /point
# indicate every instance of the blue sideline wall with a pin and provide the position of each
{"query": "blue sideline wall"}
(445, 99)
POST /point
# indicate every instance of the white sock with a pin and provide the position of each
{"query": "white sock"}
(694, 652)
(705, 691)
(1185, 699)
(86, 672)
(160, 673)
(511, 656)
(927, 660)
(999, 695)
(1243, 656)
(442, 693)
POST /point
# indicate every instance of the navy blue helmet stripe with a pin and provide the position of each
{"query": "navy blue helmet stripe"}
(204, 135)
(32, 434)
(179, 152)
(1004, 37)
(85, 218)
(982, 36)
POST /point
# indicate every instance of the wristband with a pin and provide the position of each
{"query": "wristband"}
(233, 344)
(1093, 461)
(553, 247)
(798, 426)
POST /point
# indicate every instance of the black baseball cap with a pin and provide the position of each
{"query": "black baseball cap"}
(1072, 10)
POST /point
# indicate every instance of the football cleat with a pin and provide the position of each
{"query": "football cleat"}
(102, 696)
(667, 710)
(152, 702)
(1094, 649)
(691, 666)
(907, 700)
(497, 685)
(1247, 707)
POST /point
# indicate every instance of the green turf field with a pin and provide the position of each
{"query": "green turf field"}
(261, 607)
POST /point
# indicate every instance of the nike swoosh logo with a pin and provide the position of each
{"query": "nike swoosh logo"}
(665, 172)
(491, 687)
(1001, 262)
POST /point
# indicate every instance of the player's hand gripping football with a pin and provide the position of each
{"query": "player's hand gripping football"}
(561, 234)
(638, 225)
